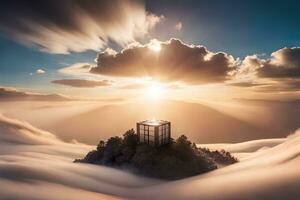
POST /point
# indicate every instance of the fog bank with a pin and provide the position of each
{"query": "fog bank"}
(35, 164)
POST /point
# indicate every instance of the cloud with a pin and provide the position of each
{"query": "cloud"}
(40, 71)
(153, 20)
(178, 26)
(12, 94)
(134, 86)
(75, 26)
(34, 163)
(14, 131)
(279, 73)
(81, 83)
(40, 162)
(246, 84)
(77, 69)
(284, 63)
(168, 61)
(248, 146)
(174, 61)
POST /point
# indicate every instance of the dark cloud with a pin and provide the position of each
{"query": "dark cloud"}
(75, 25)
(285, 63)
(81, 83)
(11, 94)
(246, 84)
(279, 73)
(175, 61)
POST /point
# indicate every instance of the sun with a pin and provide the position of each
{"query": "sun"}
(154, 92)
(154, 45)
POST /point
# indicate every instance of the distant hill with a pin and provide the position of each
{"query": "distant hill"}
(200, 123)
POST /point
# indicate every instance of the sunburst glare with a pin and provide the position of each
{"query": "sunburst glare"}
(154, 45)
(155, 92)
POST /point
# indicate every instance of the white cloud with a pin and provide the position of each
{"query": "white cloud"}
(77, 69)
(40, 71)
(34, 163)
(178, 26)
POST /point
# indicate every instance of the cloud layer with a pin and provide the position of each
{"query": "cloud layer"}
(12, 94)
(284, 63)
(175, 61)
(280, 72)
(166, 61)
(75, 25)
(34, 163)
(81, 83)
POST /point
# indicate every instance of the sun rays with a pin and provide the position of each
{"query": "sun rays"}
(155, 92)
(154, 45)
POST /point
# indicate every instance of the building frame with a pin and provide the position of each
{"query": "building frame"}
(154, 132)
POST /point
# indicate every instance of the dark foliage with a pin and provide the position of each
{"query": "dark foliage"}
(175, 160)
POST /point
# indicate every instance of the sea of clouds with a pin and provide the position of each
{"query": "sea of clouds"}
(36, 165)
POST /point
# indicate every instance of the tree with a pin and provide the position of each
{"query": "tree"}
(101, 146)
(183, 148)
(183, 140)
(130, 138)
(112, 150)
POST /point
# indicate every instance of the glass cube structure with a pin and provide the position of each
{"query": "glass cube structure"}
(154, 132)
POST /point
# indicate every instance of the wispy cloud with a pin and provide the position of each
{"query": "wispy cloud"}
(77, 69)
(178, 26)
(82, 83)
(12, 94)
(76, 26)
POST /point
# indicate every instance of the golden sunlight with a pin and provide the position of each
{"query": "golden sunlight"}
(154, 45)
(154, 92)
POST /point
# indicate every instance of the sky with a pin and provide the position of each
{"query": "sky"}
(258, 41)
(225, 73)
(237, 27)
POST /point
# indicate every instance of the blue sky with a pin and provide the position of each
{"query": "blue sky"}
(238, 28)
(19, 61)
